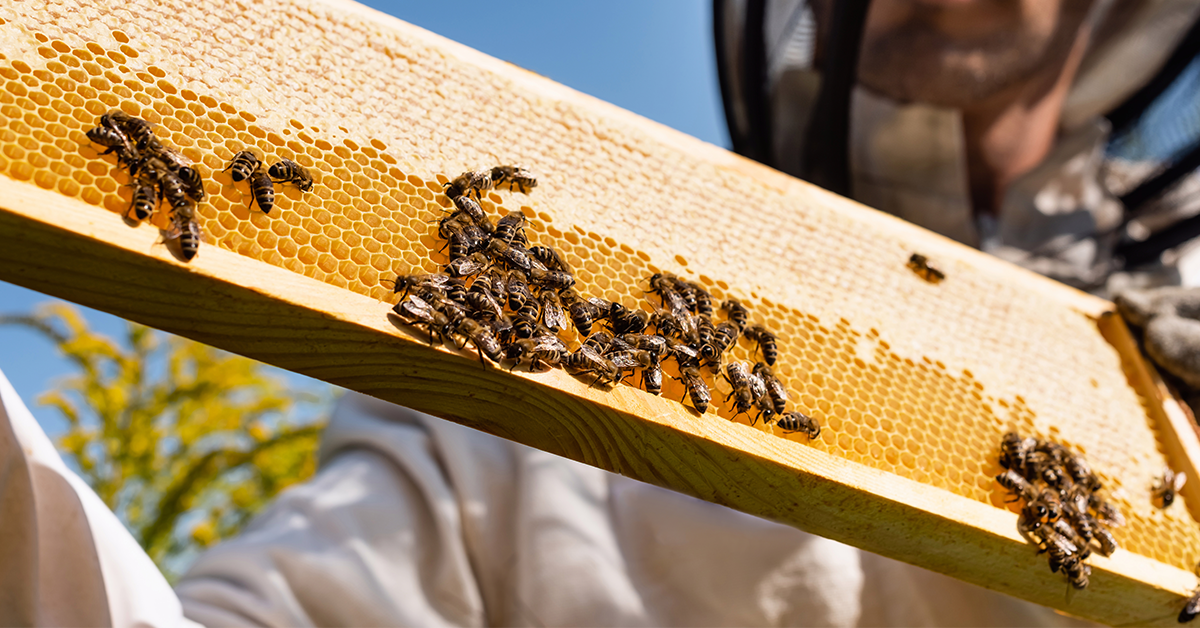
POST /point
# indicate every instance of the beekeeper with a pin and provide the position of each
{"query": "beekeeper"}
(416, 521)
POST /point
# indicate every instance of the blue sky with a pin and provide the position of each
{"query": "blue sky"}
(652, 58)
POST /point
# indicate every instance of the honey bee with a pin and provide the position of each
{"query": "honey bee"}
(544, 351)
(288, 171)
(766, 342)
(511, 228)
(524, 327)
(627, 360)
(416, 311)
(703, 300)
(472, 264)
(1192, 607)
(137, 129)
(652, 377)
(1077, 572)
(469, 183)
(186, 231)
(775, 389)
(113, 140)
(626, 321)
(482, 337)
(173, 190)
(512, 255)
(480, 298)
(262, 189)
(920, 265)
(583, 314)
(1014, 451)
(1079, 472)
(793, 421)
(551, 279)
(601, 341)
(738, 377)
(1017, 485)
(683, 353)
(1106, 513)
(145, 198)
(243, 164)
(464, 239)
(586, 360)
(738, 314)
(469, 208)
(697, 390)
(551, 258)
(514, 176)
(1171, 483)
(1108, 542)
(193, 183)
(518, 293)
(553, 316)
(438, 281)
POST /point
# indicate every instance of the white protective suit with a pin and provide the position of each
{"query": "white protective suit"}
(416, 521)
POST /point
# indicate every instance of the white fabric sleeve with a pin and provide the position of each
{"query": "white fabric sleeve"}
(67, 559)
(416, 521)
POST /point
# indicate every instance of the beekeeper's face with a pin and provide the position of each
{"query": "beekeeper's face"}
(957, 53)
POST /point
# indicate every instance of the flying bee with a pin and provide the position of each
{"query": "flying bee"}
(586, 360)
(469, 183)
(553, 315)
(766, 342)
(288, 171)
(920, 265)
(262, 189)
(697, 390)
(416, 311)
(1018, 486)
(512, 255)
(793, 421)
(1165, 490)
(482, 337)
(550, 257)
(738, 314)
(186, 231)
(582, 313)
(544, 351)
(555, 280)
(145, 198)
(775, 389)
(738, 377)
(469, 208)
(514, 176)
(243, 164)
(472, 264)
(511, 227)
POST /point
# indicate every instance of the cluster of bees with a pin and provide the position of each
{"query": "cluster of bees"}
(161, 173)
(158, 173)
(1062, 512)
(511, 301)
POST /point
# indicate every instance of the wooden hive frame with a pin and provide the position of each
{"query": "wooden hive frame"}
(914, 382)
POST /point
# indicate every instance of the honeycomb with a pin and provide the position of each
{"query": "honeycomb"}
(912, 378)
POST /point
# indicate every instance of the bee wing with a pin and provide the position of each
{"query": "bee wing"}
(1178, 481)
(551, 343)
(553, 316)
